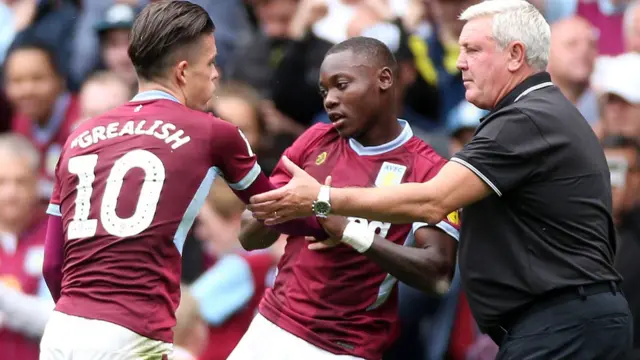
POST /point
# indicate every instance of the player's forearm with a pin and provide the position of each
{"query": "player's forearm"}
(421, 268)
(255, 235)
(308, 226)
(53, 256)
(406, 203)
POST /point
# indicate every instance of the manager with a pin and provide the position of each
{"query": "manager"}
(537, 244)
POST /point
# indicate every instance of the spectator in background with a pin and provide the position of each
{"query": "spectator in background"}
(232, 26)
(25, 303)
(15, 16)
(620, 89)
(190, 333)
(102, 92)
(51, 21)
(571, 63)
(294, 88)
(113, 32)
(461, 124)
(255, 60)
(632, 27)
(623, 156)
(436, 50)
(605, 15)
(45, 110)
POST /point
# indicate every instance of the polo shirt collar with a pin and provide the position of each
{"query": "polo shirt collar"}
(533, 82)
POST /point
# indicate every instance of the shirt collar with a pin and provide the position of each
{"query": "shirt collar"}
(405, 135)
(154, 95)
(532, 83)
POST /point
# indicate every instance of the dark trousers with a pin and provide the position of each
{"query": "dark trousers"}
(594, 327)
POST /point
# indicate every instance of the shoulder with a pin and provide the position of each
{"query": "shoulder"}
(509, 122)
(318, 131)
(317, 134)
(425, 158)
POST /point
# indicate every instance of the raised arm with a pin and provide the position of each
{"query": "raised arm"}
(454, 187)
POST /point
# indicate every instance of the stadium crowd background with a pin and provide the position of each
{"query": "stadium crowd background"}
(64, 61)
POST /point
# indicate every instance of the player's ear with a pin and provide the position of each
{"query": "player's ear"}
(385, 78)
(181, 72)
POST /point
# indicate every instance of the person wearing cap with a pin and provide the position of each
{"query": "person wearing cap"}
(538, 239)
(620, 101)
(462, 123)
(113, 31)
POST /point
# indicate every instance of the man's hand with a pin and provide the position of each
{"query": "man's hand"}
(334, 226)
(291, 201)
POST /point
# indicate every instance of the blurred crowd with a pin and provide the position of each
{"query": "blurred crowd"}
(64, 61)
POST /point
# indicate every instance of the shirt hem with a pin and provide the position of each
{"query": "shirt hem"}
(68, 307)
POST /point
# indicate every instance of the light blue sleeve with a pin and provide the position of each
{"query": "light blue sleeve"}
(555, 10)
(224, 289)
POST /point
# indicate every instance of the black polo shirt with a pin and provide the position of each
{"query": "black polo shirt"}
(548, 223)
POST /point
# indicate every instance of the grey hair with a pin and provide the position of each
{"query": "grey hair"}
(516, 20)
(18, 145)
(630, 14)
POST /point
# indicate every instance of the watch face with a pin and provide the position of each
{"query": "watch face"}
(321, 207)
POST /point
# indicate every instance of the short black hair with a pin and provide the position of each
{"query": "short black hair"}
(621, 142)
(371, 48)
(160, 30)
(35, 43)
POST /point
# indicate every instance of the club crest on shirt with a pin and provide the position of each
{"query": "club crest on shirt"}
(33, 260)
(390, 174)
(321, 158)
(454, 218)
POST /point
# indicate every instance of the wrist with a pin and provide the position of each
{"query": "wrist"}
(322, 205)
(358, 236)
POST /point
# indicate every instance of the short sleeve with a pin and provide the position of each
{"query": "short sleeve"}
(505, 152)
(54, 201)
(296, 153)
(428, 167)
(239, 164)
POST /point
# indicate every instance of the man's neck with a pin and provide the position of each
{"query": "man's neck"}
(153, 85)
(387, 129)
(572, 90)
(514, 81)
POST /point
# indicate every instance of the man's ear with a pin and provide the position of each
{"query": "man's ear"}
(385, 78)
(517, 56)
(181, 70)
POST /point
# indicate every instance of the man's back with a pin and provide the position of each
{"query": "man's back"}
(129, 185)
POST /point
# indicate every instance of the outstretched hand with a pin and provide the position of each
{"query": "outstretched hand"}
(291, 201)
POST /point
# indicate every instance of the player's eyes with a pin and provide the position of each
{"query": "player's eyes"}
(342, 85)
(323, 92)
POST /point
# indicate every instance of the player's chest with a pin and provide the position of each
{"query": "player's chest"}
(347, 168)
